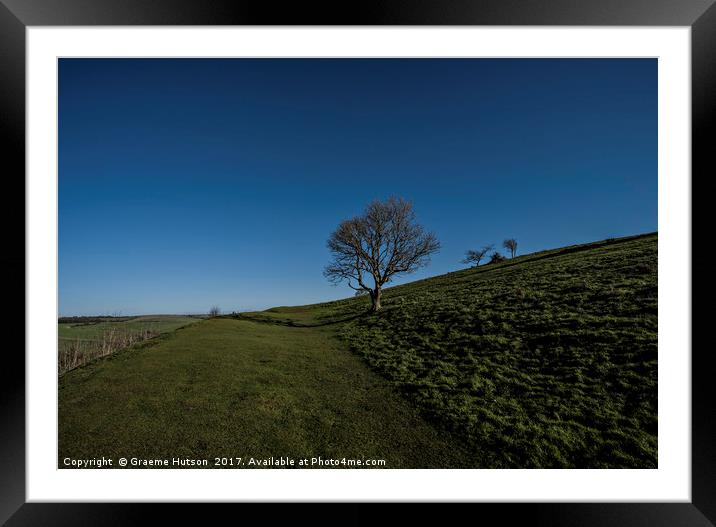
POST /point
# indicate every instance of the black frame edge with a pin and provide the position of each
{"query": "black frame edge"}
(366, 12)
(703, 394)
(12, 373)
(699, 14)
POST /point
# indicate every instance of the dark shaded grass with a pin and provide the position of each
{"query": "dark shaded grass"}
(549, 360)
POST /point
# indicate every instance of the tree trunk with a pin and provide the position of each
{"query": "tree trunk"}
(375, 297)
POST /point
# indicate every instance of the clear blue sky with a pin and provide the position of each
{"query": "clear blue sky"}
(189, 183)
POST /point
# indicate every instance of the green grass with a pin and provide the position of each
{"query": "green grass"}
(547, 360)
(230, 388)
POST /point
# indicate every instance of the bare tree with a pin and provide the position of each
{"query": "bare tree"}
(476, 256)
(510, 245)
(214, 311)
(382, 242)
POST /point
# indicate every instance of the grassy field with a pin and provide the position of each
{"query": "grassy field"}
(69, 332)
(231, 388)
(84, 339)
(547, 360)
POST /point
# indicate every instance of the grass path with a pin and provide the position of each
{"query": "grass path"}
(239, 388)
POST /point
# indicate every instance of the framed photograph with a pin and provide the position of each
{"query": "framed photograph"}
(408, 255)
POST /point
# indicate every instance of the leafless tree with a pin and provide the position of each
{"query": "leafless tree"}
(214, 311)
(510, 245)
(476, 256)
(382, 242)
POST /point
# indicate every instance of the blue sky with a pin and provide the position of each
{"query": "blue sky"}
(188, 183)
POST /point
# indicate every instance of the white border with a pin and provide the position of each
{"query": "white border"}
(670, 482)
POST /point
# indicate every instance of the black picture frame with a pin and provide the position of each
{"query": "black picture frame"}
(17, 15)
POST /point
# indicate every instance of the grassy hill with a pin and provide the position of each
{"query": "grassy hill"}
(547, 360)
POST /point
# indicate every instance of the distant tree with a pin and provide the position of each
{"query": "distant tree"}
(382, 242)
(476, 256)
(496, 258)
(214, 311)
(511, 245)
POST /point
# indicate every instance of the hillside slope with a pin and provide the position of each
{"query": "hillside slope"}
(547, 360)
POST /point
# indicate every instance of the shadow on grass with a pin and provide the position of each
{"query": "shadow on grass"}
(292, 323)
